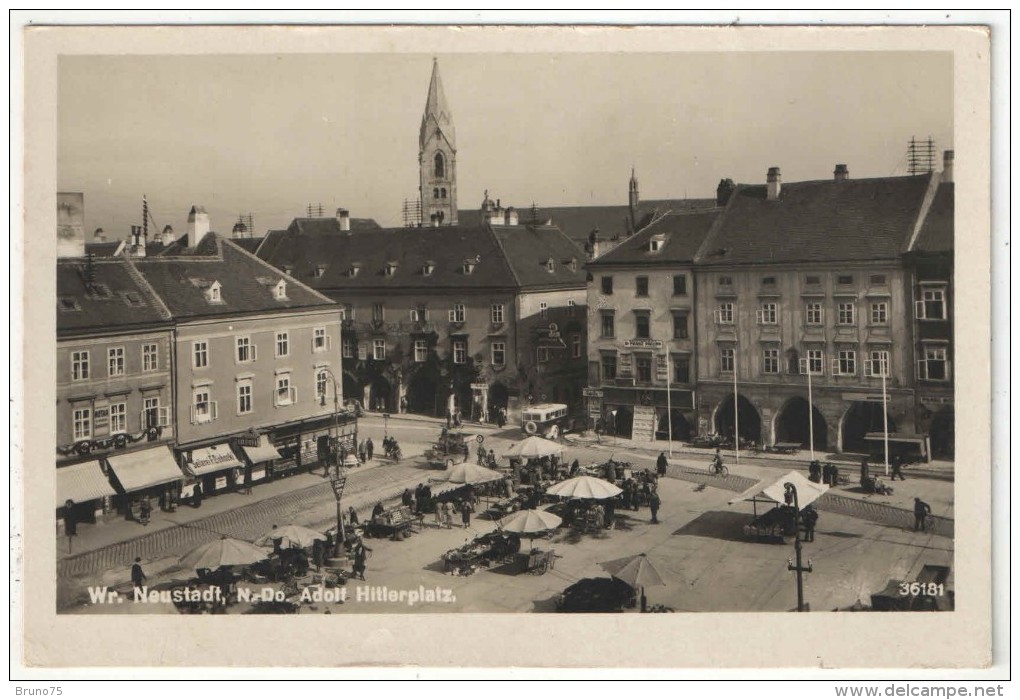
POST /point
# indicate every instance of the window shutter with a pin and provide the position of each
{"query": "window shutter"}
(919, 309)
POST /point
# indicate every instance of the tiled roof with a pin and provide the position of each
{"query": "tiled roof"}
(529, 250)
(325, 260)
(246, 282)
(936, 234)
(115, 298)
(865, 219)
(577, 222)
(331, 225)
(103, 249)
(682, 235)
(249, 244)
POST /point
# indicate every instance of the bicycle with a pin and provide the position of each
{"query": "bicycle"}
(718, 469)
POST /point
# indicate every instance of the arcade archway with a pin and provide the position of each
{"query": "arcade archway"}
(748, 419)
(352, 389)
(861, 418)
(792, 424)
(381, 394)
(623, 421)
(681, 427)
(421, 395)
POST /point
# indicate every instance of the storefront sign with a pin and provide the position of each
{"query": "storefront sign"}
(660, 368)
(247, 440)
(221, 482)
(626, 365)
(592, 393)
(642, 343)
(212, 456)
(865, 397)
(479, 387)
(644, 423)
(258, 473)
(937, 399)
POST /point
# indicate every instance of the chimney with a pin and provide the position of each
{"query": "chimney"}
(511, 216)
(947, 167)
(724, 191)
(841, 172)
(99, 236)
(167, 237)
(137, 242)
(343, 217)
(774, 182)
(239, 231)
(198, 225)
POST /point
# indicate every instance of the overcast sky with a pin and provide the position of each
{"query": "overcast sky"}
(270, 134)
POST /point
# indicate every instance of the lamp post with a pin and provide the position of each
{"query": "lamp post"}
(337, 475)
(799, 568)
(669, 400)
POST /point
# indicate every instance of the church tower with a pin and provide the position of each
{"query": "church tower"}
(633, 202)
(437, 157)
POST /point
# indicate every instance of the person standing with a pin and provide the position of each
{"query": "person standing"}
(361, 554)
(653, 504)
(369, 448)
(897, 466)
(465, 513)
(352, 516)
(362, 452)
(137, 575)
(809, 516)
(921, 511)
(661, 464)
(448, 514)
(481, 455)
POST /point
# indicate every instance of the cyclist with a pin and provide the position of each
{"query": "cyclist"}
(717, 464)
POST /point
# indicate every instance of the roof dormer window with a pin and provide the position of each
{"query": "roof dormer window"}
(354, 269)
(212, 293)
(469, 266)
(655, 243)
(428, 268)
(391, 268)
(280, 291)
(288, 269)
(550, 265)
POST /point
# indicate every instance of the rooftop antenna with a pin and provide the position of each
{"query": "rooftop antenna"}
(921, 156)
(145, 218)
(411, 212)
(315, 211)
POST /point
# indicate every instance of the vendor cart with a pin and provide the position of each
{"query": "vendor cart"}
(537, 561)
(395, 522)
(780, 521)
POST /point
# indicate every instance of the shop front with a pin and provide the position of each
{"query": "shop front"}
(260, 455)
(215, 468)
(145, 475)
(83, 495)
(644, 413)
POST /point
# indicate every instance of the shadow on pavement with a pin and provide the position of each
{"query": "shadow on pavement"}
(547, 605)
(718, 524)
(836, 533)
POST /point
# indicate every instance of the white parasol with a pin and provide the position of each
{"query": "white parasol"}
(584, 487)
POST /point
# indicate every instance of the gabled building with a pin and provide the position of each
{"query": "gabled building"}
(807, 277)
(489, 315)
(642, 330)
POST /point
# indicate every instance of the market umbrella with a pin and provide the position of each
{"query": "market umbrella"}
(294, 535)
(223, 552)
(584, 487)
(636, 571)
(531, 522)
(534, 447)
(470, 473)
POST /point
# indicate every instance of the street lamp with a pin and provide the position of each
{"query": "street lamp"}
(337, 476)
(791, 499)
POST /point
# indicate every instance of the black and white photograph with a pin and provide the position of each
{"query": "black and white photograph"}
(437, 329)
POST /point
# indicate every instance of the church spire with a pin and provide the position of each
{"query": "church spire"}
(437, 114)
(437, 157)
(633, 200)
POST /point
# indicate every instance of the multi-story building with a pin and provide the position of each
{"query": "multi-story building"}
(929, 263)
(258, 360)
(642, 331)
(447, 310)
(114, 396)
(807, 278)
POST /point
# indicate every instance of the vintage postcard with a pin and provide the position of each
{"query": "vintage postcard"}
(375, 336)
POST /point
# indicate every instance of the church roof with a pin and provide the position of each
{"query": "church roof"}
(437, 112)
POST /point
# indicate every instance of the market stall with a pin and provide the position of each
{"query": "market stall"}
(144, 475)
(779, 521)
(481, 552)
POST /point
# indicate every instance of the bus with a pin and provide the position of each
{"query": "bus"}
(548, 420)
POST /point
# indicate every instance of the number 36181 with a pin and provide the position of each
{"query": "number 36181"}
(916, 588)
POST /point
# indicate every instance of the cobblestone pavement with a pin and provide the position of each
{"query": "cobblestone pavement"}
(246, 522)
(881, 513)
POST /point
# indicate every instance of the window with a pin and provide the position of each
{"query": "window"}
(498, 354)
(435, 192)
(726, 359)
(543, 355)
(347, 312)
(243, 397)
(419, 314)
(815, 358)
(150, 357)
(150, 412)
(79, 365)
(280, 291)
(378, 312)
(608, 324)
(934, 367)
(725, 281)
(768, 281)
(813, 314)
(845, 279)
(457, 314)
(932, 305)
(768, 314)
(575, 345)
(679, 285)
(607, 284)
(680, 331)
(390, 268)
(442, 193)
(118, 418)
(845, 363)
(812, 280)
(681, 369)
(459, 352)
(770, 361)
(347, 348)
(496, 314)
(550, 265)
(642, 324)
(421, 350)
(285, 393)
(82, 424)
(439, 165)
(379, 349)
(608, 367)
(202, 409)
(571, 307)
(282, 344)
(213, 294)
(245, 350)
(643, 368)
(656, 243)
(321, 382)
(543, 309)
(115, 361)
(320, 341)
(641, 286)
(877, 279)
(879, 313)
(724, 314)
(877, 364)
(846, 315)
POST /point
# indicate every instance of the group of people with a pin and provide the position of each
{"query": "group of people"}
(827, 474)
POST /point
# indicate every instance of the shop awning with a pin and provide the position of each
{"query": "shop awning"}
(215, 458)
(263, 453)
(775, 492)
(140, 470)
(81, 483)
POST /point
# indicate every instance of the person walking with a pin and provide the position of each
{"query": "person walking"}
(144, 511)
(661, 464)
(897, 466)
(448, 514)
(361, 554)
(921, 511)
(403, 404)
(481, 455)
(465, 513)
(439, 514)
(653, 504)
(369, 448)
(809, 517)
(352, 516)
(137, 575)
(362, 452)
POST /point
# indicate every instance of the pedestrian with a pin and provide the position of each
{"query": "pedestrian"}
(815, 471)
(378, 510)
(921, 511)
(196, 497)
(403, 404)
(865, 470)
(467, 452)
(661, 464)
(897, 466)
(575, 467)
(406, 498)
(318, 554)
(448, 514)
(70, 523)
(653, 504)
(439, 514)
(342, 455)
(137, 575)
(465, 513)
(247, 485)
(361, 554)
(362, 452)
(369, 448)
(809, 517)
(144, 511)
(352, 516)
(481, 455)
(491, 459)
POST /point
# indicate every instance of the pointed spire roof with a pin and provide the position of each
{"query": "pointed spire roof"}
(633, 179)
(437, 113)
